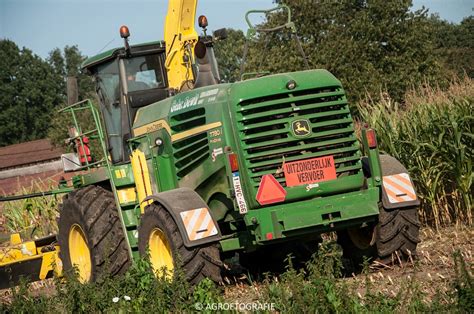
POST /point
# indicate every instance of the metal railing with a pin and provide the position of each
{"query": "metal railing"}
(97, 133)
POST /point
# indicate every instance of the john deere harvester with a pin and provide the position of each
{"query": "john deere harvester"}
(192, 171)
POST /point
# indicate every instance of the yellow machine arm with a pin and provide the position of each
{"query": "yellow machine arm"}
(180, 37)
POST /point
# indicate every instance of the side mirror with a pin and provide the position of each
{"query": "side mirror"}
(72, 90)
(220, 34)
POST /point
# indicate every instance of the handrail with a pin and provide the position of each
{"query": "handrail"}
(288, 24)
(254, 29)
(86, 104)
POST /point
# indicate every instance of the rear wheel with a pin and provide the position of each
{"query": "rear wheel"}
(397, 233)
(90, 234)
(358, 245)
(159, 236)
(393, 238)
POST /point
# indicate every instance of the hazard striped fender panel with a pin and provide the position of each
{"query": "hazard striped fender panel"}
(195, 221)
(398, 189)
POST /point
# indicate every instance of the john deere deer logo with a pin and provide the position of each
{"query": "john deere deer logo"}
(300, 128)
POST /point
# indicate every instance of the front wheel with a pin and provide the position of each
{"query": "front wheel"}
(160, 240)
(90, 234)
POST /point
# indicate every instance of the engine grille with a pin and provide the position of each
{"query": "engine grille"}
(189, 153)
(266, 139)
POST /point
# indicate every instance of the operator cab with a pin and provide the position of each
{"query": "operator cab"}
(127, 79)
(132, 77)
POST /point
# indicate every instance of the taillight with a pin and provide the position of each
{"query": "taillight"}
(234, 164)
(371, 138)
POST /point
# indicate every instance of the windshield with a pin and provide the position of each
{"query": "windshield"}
(144, 73)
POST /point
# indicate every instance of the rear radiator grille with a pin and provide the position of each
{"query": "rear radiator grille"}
(264, 129)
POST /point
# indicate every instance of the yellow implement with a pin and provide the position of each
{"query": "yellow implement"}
(32, 260)
(180, 38)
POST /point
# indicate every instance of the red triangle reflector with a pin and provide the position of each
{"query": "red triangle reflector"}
(270, 191)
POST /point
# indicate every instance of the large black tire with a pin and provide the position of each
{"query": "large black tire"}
(197, 263)
(397, 233)
(393, 238)
(93, 209)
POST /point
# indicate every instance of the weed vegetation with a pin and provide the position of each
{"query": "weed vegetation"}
(318, 288)
(136, 291)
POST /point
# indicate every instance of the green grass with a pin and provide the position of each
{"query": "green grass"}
(432, 135)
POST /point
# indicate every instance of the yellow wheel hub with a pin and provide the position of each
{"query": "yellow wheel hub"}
(160, 253)
(79, 253)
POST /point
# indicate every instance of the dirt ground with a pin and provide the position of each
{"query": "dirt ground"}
(433, 270)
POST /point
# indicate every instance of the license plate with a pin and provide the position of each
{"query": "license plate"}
(309, 171)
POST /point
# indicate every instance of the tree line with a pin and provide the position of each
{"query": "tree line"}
(371, 46)
(32, 90)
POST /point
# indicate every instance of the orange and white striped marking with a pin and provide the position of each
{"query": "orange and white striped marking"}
(399, 188)
(198, 223)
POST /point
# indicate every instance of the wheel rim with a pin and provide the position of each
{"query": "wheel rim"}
(79, 253)
(160, 253)
(362, 238)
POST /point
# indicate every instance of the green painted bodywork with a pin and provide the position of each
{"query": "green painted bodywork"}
(252, 119)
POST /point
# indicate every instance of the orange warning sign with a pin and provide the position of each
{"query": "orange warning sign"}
(309, 171)
(399, 188)
(270, 191)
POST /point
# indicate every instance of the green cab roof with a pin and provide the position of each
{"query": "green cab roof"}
(112, 53)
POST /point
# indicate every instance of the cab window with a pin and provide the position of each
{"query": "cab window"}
(144, 72)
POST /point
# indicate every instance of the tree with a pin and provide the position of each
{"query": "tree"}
(454, 44)
(229, 54)
(371, 46)
(68, 63)
(28, 94)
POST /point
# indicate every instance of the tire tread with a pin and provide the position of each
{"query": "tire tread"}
(93, 208)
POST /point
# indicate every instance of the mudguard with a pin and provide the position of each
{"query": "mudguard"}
(191, 214)
(398, 189)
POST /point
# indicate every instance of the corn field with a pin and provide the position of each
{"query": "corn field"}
(33, 217)
(432, 135)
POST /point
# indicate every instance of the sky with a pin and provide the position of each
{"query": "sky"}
(42, 25)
